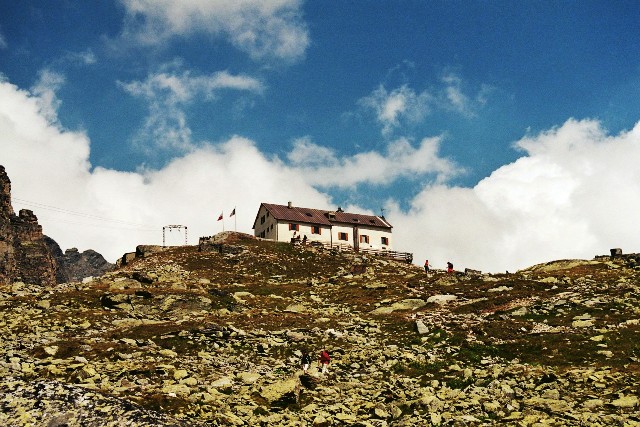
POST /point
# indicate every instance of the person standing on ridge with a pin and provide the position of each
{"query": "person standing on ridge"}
(305, 361)
(324, 360)
(426, 266)
(449, 267)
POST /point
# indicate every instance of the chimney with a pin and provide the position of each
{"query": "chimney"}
(290, 205)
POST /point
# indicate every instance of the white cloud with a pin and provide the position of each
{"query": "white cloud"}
(167, 92)
(403, 105)
(49, 165)
(400, 104)
(572, 195)
(264, 29)
(86, 57)
(322, 167)
(174, 88)
(49, 82)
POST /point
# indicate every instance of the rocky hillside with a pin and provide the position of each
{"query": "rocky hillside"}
(183, 337)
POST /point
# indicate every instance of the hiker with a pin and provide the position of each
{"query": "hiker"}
(324, 360)
(305, 360)
(426, 266)
(449, 267)
(304, 240)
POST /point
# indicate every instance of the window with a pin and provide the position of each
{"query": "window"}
(364, 238)
(315, 229)
(295, 227)
(343, 236)
(385, 241)
(262, 220)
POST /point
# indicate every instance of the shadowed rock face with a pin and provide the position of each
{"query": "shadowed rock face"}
(73, 265)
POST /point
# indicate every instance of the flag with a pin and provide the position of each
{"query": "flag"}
(233, 212)
(220, 217)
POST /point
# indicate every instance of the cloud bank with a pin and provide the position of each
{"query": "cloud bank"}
(323, 168)
(404, 106)
(167, 92)
(264, 29)
(572, 194)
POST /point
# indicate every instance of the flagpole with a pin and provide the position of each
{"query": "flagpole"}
(235, 221)
(223, 221)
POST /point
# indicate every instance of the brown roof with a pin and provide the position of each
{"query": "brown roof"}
(322, 217)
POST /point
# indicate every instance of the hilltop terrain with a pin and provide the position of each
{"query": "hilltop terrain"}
(214, 337)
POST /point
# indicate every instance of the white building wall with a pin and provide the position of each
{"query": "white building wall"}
(375, 238)
(268, 226)
(337, 229)
(285, 235)
(324, 236)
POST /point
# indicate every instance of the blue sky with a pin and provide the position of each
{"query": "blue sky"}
(438, 112)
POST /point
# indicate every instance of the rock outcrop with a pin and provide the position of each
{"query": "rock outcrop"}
(24, 256)
(73, 265)
(27, 255)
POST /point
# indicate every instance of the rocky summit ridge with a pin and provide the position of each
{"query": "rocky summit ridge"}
(213, 335)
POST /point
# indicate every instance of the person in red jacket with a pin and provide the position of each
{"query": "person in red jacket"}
(324, 360)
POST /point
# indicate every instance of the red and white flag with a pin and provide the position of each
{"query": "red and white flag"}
(220, 217)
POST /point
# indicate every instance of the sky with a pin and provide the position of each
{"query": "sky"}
(495, 135)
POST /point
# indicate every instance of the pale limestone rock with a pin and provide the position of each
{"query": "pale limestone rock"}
(407, 304)
(180, 374)
(582, 323)
(500, 289)
(51, 350)
(168, 353)
(224, 382)
(279, 389)
(421, 327)
(625, 402)
(180, 390)
(441, 299)
(295, 308)
(190, 381)
(592, 404)
(552, 405)
(248, 377)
